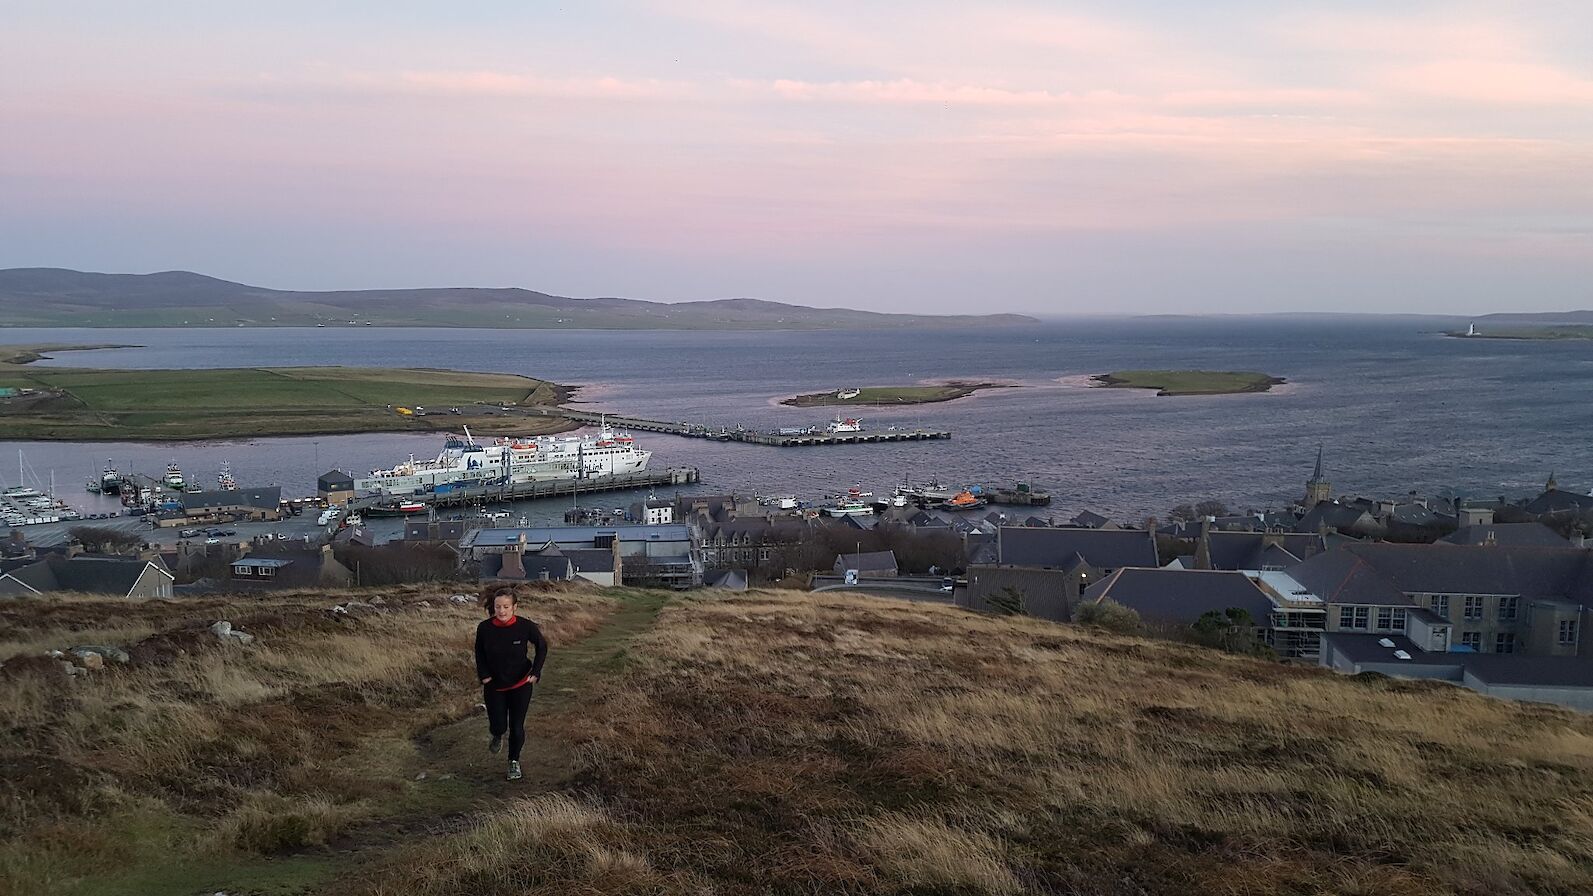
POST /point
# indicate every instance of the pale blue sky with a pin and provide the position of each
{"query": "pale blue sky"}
(1047, 157)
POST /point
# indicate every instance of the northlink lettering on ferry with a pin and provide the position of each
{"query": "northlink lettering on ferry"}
(464, 462)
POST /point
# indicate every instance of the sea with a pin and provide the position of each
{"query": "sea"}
(1394, 405)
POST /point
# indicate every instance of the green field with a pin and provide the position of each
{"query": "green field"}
(1190, 382)
(878, 395)
(82, 403)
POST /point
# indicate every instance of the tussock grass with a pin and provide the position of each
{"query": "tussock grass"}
(272, 747)
(837, 744)
(551, 845)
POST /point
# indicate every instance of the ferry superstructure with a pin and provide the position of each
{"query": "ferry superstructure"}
(465, 462)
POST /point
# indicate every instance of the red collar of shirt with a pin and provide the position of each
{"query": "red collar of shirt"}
(512, 621)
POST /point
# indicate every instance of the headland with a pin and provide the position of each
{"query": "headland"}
(890, 395)
(1190, 382)
(87, 404)
(1529, 334)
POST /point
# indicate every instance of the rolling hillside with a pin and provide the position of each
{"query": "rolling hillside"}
(42, 297)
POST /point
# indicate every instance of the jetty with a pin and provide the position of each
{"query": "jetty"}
(531, 491)
(750, 436)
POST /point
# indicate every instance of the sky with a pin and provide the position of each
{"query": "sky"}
(1144, 156)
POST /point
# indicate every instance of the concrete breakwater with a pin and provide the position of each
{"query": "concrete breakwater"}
(749, 436)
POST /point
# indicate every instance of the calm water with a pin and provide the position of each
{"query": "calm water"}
(1396, 406)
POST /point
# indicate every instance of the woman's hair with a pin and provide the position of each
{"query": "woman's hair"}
(491, 593)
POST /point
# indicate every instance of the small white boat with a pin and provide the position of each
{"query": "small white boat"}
(848, 394)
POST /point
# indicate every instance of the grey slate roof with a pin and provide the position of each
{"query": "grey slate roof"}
(1089, 519)
(725, 579)
(1509, 534)
(268, 498)
(1102, 548)
(91, 575)
(1249, 550)
(1181, 595)
(868, 561)
(591, 559)
(1375, 573)
(1556, 501)
(1491, 668)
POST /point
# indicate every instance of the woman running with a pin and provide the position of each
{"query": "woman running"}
(506, 674)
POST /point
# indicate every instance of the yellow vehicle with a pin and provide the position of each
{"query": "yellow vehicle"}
(405, 411)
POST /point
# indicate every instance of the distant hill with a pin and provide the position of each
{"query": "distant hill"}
(1537, 318)
(44, 297)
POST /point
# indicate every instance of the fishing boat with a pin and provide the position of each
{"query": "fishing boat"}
(851, 504)
(225, 481)
(110, 480)
(839, 425)
(174, 477)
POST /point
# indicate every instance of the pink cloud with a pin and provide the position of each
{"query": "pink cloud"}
(1485, 81)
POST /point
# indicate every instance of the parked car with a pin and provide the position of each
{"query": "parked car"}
(188, 533)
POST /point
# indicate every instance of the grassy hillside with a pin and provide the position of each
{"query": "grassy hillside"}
(891, 395)
(47, 297)
(84, 403)
(757, 744)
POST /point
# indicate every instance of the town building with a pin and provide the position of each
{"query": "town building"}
(867, 565)
(1048, 570)
(89, 574)
(1174, 597)
(1567, 681)
(278, 568)
(335, 488)
(225, 506)
(667, 556)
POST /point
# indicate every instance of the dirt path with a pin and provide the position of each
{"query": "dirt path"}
(463, 779)
(454, 780)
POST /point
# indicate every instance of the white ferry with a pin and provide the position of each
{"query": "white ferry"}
(464, 462)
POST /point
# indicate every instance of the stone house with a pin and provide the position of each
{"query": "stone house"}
(90, 574)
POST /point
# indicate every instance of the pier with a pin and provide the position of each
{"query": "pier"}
(753, 437)
(531, 491)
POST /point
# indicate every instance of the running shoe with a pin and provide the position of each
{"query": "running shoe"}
(514, 770)
(496, 745)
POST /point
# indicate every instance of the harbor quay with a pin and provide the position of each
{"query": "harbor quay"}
(841, 432)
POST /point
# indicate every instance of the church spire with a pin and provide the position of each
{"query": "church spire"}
(1317, 489)
(1551, 485)
(1317, 475)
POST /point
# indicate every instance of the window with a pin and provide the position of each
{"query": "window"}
(242, 571)
(1507, 609)
(1363, 617)
(1440, 605)
(1473, 606)
(266, 572)
(1472, 640)
(1399, 619)
(1385, 618)
(1568, 631)
(1504, 643)
(1346, 617)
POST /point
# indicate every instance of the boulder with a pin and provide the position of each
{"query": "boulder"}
(243, 638)
(461, 599)
(70, 669)
(221, 629)
(91, 660)
(114, 654)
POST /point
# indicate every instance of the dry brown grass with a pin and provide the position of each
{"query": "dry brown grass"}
(551, 845)
(270, 747)
(831, 744)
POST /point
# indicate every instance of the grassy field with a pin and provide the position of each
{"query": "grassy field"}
(89, 404)
(878, 395)
(1190, 382)
(757, 744)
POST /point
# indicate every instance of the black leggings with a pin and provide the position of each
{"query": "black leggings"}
(506, 712)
